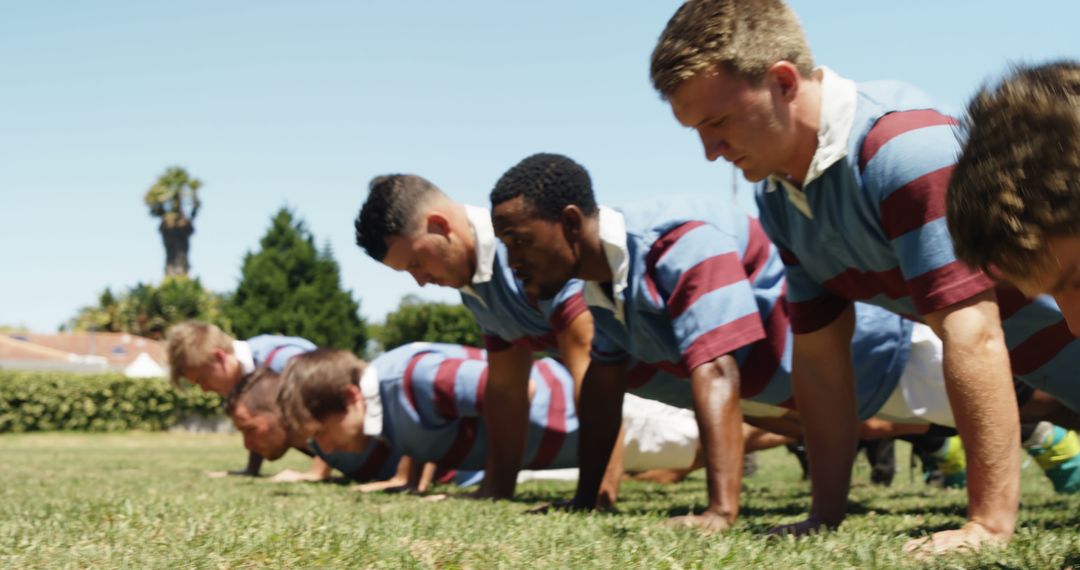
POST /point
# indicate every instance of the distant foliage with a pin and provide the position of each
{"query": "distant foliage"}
(416, 320)
(174, 199)
(148, 310)
(289, 287)
(51, 401)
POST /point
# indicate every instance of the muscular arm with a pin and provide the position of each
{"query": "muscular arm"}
(715, 388)
(254, 465)
(823, 379)
(506, 413)
(979, 382)
(575, 343)
(600, 416)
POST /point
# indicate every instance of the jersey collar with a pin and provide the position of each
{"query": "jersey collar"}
(612, 227)
(484, 232)
(242, 352)
(838, 97)
(373, 412)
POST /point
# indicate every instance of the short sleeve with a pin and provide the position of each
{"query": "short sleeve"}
(906, 161)
(694, 271)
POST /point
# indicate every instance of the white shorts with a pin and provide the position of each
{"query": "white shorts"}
(920, 395)
(658, 436)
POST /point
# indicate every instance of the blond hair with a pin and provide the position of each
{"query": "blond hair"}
(1017, 181)
(192, 343)
(315, 383)
(744, 37)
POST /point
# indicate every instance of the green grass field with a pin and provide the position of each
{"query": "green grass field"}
(143, 501)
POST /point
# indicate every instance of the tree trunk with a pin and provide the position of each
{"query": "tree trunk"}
(177, 239)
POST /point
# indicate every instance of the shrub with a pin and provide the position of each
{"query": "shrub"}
(49, 401)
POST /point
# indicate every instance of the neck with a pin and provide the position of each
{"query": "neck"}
(593, 264)
(461, 226)
(806, 122)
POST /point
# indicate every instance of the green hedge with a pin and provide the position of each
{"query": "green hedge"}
(47, 401)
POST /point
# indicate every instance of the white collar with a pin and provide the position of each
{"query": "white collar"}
(242, 351)
(373, 412)
(838, 99)
(484, 232)
(612, 230)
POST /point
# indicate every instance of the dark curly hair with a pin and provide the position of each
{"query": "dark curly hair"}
(549, 183)
(1017, 180)
(390, 209)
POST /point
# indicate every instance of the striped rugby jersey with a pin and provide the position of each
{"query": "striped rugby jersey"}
(869, 225)
(498, 301)
(274, 351)
(378, 462)
(432, 396)
(695, 279)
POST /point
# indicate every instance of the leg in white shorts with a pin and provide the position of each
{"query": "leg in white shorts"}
(920, 395)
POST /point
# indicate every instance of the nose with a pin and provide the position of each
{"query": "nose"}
(420, 277)
(715, 147)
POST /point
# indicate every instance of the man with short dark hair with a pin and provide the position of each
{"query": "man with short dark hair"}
(410, 225)
(687, 289)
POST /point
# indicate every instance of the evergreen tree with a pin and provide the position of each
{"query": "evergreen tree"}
(416, 320)
(289, 287)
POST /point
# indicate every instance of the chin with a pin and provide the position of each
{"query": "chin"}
(272, 454)
(755, 177)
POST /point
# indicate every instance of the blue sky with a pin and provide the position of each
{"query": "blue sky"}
(301, 103)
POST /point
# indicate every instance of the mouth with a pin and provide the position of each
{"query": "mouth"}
(738, 161)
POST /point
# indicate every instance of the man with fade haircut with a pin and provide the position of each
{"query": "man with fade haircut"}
(686, 289)
(206, 356)
(1013, 204)
(852, 181)
(425, 400)
(410, 225)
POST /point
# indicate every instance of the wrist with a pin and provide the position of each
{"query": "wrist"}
(721, 511)
(1001, 529)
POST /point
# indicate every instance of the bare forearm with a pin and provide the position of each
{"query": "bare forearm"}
(830, 431)
(601, 418)
(319, 470)
(716, 406)
(823, 379)
(254, 464)
(984, 406)
(506, 413)
(427, 476)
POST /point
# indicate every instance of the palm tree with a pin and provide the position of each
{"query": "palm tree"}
(175, 199)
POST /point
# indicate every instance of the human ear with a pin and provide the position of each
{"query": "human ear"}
(571, 220)
(438, 224)
(786, 78)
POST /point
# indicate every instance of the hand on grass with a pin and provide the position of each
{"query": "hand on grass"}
(811, 525)
(707, 521)
(222, 474)
(290, 476)
(388, 486)
(970, 537)
(566, 506)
